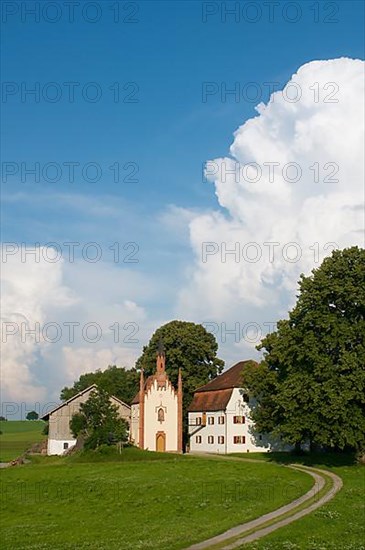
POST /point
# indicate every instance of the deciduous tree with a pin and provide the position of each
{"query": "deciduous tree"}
(311, 383)
(98, 421)
(118, 381)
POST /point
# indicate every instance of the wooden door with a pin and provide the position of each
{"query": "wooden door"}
(161, 442)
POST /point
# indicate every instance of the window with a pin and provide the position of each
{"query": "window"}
(198, 420)
(198, 439)
(239, 439)
(210, 439)
(160, 414)
(210, 419)
(220, 419)
(221, 439)
(238, 420)
(65, 446)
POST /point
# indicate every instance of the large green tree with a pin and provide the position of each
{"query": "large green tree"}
(188, 346)
(98, 421)
(311, 383)
(118, 381)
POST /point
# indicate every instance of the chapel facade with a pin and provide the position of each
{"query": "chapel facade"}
(156, 411)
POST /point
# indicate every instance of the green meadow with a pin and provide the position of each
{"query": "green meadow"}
(138, 500)
(17, 436)
(143, 500)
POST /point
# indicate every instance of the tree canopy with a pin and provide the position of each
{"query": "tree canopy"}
(118, 381)
(188, 346)
(311, 383)
(98, 421)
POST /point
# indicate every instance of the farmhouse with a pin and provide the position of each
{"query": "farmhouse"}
(60, 438)
(156, 415)
(219, 418)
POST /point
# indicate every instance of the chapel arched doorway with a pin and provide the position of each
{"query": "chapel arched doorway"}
(161, 442)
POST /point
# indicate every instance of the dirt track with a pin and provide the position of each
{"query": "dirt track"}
(257, 525)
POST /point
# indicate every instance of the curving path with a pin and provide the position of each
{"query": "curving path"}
(255, 529)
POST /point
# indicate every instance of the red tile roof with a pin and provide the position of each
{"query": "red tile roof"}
(210, 400)
(218, 391)
(231, 378)
(215, 395)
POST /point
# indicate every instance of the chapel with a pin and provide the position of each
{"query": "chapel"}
(156, 411)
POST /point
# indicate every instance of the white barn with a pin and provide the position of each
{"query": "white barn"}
(220, 421)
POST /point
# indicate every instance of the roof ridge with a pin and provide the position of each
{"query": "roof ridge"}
(231, 378)
(78, 395)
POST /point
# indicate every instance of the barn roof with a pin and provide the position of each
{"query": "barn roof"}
(135, 399)
(86, 390)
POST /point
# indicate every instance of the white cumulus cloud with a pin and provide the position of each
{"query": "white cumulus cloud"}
(290, 191)
(30, 291)
(61, 319)
(81, 360)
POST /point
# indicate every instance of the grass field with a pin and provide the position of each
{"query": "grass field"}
(141, 500)
(17, 436)
(165, 503)
(340, 524)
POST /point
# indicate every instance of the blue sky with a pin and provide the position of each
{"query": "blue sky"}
(168, 133)
(169, 53)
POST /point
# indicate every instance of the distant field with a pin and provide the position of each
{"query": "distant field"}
(17, 436)
(154, 502)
